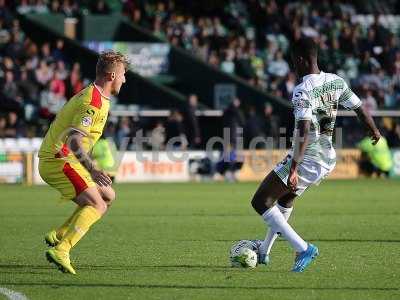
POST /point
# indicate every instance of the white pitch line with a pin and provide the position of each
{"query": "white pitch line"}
(12, 295)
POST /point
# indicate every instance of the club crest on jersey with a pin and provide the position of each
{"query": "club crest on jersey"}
(86, 121)
(300, 101)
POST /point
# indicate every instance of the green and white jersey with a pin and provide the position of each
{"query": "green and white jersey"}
(316, 99)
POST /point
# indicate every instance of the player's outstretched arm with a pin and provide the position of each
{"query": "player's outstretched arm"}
(75, 144)
(368, 123)
(300, 145)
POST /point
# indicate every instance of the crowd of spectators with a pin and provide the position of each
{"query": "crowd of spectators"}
(252, 40)
(35, 79)
(69, 8)
(248, 38)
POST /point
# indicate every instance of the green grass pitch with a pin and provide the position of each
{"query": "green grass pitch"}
(171, 241)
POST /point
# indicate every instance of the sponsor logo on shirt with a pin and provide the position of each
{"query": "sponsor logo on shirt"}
(86, 121)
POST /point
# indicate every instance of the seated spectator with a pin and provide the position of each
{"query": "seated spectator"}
(4, 33)
(73, 84)
(228, 65)
(5, 13)
(61, 70)
(243, 65)
(41, 7)
(55, 6)
(213, 59)
(45, 53)
(50, 104)
(278, 66)
(69, 8)
(27, 90)
(256, 62)
(10, 89)
(14, 127)
(58, 53)
(57, 86)
(99, 7)
(24, 7)
(369, 101)
(31, 55)
(157, 137)
(8, 65)
(134, 12)
(37, 6)
(3, 124)
(287, 86)
(14, 49)
(44, 73)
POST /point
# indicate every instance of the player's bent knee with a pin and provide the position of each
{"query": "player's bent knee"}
(261, 203)
(287, 201)
(269, 202)
(92, 197)
(108, 194)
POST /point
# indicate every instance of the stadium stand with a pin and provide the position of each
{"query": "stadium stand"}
(250, 39)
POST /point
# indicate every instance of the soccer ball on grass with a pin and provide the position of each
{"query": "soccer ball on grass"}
(244, 254)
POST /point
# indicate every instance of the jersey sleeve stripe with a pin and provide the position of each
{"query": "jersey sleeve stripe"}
(346, 95)
(356, 106)
(96, 98)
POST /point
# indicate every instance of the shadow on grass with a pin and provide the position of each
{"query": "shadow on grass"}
(28, 269)
(117, 267)
(331, 240)
(173, 286)
(38, 272)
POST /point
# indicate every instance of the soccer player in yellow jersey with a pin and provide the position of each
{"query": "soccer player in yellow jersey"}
(65, 163)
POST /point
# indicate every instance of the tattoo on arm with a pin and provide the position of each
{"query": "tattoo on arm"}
(75, 144)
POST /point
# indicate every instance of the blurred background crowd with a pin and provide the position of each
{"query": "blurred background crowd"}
(252, 39)
(359, 40)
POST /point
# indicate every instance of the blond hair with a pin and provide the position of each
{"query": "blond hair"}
(108, 62)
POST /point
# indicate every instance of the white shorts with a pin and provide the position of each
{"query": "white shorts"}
(309, 173)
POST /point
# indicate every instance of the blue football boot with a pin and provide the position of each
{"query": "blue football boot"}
(303, 259)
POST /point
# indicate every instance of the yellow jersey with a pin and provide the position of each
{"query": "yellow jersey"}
(87, 113)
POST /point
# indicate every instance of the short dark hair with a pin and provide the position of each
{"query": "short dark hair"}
(305, 47)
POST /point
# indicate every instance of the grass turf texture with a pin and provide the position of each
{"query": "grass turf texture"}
(164, 241)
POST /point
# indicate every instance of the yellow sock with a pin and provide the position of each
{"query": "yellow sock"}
(85, 218)
(62, 230)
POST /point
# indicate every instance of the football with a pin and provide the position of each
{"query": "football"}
(243, 255)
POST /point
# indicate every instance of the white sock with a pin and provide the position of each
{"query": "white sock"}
(271, 236)
(276, 221)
